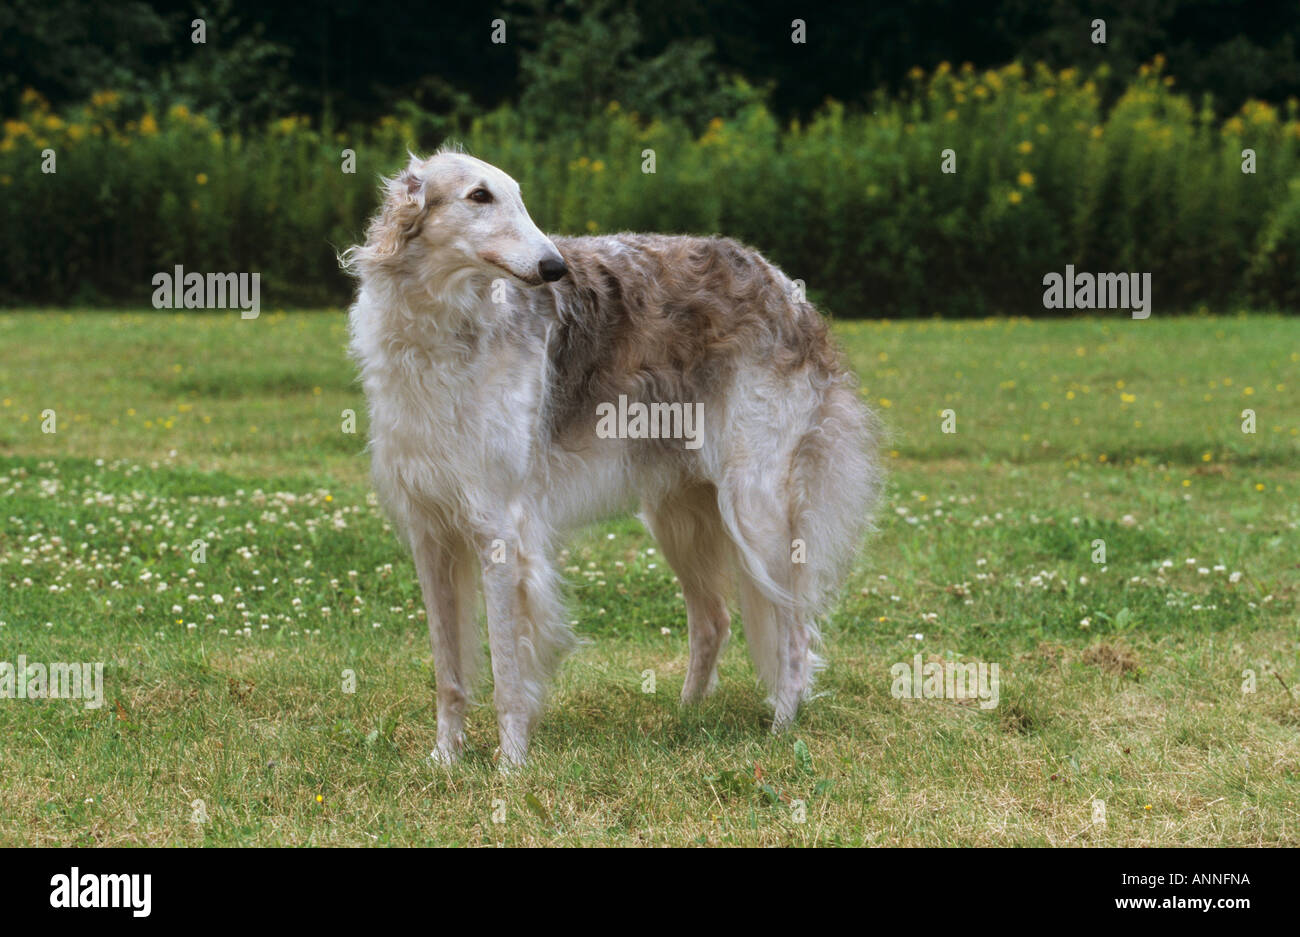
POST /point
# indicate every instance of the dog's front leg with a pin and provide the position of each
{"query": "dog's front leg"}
(526, 630)
(446, 574)
(505, 599)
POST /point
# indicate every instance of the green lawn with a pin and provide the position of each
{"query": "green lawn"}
(1120, 682)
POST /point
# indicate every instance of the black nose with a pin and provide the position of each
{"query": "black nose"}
(551, 269)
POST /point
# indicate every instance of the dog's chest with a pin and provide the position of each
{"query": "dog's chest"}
(454, 430)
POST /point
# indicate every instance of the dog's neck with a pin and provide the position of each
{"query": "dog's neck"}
(430, 314)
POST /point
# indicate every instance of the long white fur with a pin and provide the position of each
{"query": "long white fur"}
(462, 460)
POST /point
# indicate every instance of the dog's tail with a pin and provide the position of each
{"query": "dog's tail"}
(835, 485)
(826, 508)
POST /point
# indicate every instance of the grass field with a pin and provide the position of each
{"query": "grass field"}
(1121, 682)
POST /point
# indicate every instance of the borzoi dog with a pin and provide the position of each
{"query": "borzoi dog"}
(493, 359)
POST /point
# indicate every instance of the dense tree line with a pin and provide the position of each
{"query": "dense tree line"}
(351, 60)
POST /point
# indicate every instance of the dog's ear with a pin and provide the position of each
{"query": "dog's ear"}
(404, 205)
(411, 185)
(409, 182)
(399, 219)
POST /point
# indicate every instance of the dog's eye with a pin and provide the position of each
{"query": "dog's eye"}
(482, 196)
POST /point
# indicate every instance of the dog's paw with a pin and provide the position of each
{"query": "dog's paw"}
(443, 756)
(508, 764)
(696, 694)
(784, 717)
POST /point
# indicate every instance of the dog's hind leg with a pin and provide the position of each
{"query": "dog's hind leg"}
(780, 631)
(689, 530)
(781, 643)
(798, 538)
(447, 579)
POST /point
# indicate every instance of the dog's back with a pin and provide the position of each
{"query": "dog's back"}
(663, 318)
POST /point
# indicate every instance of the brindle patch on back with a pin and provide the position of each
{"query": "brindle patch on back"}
(667, 320)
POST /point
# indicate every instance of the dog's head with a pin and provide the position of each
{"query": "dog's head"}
(452, 213)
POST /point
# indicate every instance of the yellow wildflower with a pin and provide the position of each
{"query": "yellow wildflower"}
(1262, 113)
